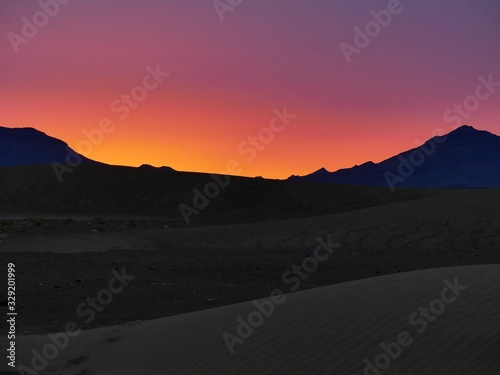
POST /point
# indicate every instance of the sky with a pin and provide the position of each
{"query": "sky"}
(359, 80)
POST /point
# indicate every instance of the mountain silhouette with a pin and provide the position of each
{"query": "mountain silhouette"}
(463, 158)
(28, 146)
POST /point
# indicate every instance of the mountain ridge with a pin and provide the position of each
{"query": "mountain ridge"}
(30, 146)
(463, 158)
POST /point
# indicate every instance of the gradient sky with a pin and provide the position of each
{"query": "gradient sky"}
(227, 77)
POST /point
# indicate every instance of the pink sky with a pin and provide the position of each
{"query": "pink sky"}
(227, 77)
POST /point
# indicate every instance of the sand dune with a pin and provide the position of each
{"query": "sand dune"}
(455, 220)
(204, 267)
(452, 221)
(328, 330)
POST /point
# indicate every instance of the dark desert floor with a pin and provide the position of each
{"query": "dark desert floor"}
(62, 262)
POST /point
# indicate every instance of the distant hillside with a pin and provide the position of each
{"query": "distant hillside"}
(28, 146)
(464, 158)
(31, 188)
(99, 190)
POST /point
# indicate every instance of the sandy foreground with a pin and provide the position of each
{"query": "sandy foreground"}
(339, 329)
(192, 285)
(457, 219)
(179, 270)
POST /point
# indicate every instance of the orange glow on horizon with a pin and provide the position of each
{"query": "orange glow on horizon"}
(225, 80)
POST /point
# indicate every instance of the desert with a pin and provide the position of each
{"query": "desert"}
(254, 187)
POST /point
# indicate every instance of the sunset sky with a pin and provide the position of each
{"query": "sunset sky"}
(226, 78)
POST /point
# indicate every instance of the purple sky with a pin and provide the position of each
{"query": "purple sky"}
(227, 77)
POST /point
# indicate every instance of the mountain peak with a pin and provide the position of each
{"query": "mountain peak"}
(29, 146)
(26, 130)
(467, 129)
(464, 157)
